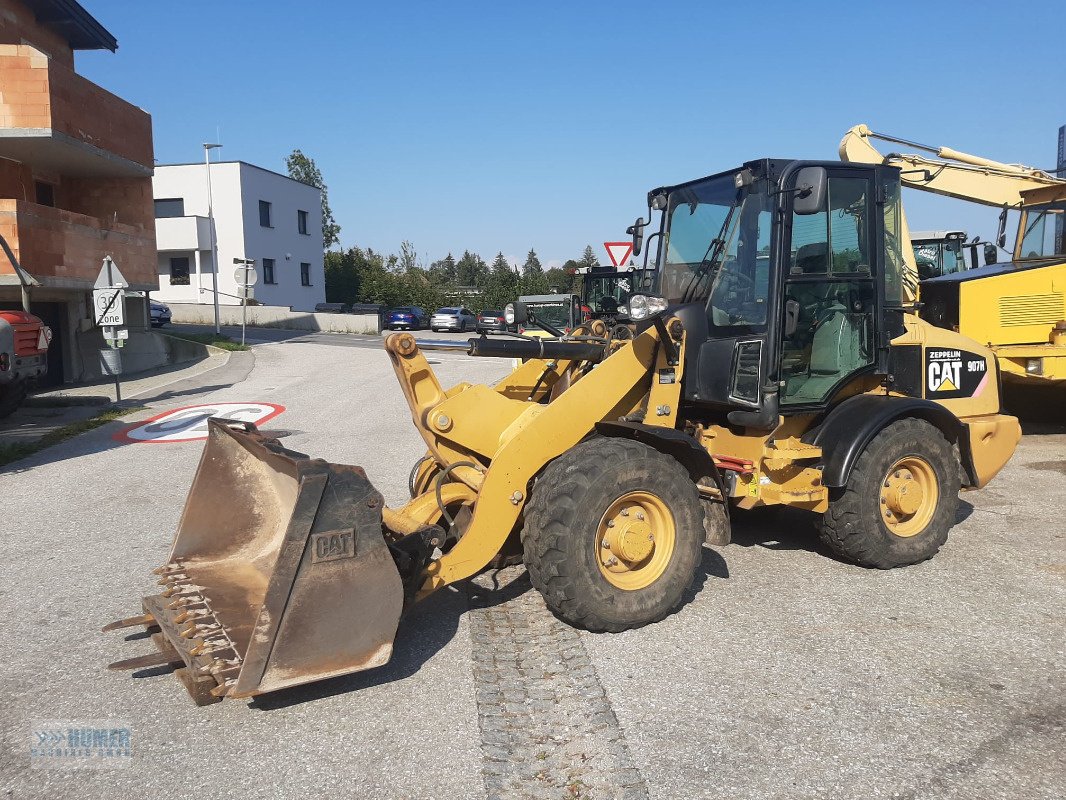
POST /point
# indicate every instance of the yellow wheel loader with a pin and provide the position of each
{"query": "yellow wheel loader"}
(773, 362)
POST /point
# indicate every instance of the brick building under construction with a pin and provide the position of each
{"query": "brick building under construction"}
(75, 180)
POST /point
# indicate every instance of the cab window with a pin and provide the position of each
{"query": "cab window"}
(829, 294)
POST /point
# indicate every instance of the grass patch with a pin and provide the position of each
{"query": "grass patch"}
(19, 450)
(216, 340)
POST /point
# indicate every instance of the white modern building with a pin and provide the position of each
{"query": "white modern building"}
(258, 214)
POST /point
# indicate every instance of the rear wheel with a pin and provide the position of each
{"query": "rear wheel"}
(613, 535)
(900, 500)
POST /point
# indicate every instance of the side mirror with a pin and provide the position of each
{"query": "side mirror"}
(991, 256)
(792, 316)
(811, 185)
(516, 313)
(1001, 234)
(636, 230)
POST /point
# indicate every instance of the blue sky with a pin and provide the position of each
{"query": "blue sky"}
(505, 126)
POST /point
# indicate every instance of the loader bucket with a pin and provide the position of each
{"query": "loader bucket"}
(279, 573)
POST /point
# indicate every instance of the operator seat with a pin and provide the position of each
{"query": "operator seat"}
(836, 351)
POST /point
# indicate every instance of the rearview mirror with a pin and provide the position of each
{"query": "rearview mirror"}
(636, 230)
(1001, 234)
(991, 256)
(811, 183)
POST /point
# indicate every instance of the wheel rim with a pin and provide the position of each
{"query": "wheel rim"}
(635, 540)
(909, 496)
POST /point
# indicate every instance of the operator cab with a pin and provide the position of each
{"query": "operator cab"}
(781, 272)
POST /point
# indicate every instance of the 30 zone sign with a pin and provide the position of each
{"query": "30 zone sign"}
(189, 424)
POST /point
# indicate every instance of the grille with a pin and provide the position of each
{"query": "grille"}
(1037, 309)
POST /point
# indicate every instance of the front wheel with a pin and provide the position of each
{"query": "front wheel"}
(11, 397)
(900, 499)
(613, 535)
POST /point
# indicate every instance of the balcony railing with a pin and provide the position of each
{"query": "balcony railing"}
(63, 249)
(183, 233)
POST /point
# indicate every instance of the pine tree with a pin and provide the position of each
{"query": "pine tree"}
(588, 258)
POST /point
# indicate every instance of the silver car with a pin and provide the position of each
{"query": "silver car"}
(453, 319)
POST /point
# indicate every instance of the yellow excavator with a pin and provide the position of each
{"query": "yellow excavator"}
(1017, 308)
(774, 360)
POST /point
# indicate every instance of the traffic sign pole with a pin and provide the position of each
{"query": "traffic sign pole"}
(246, 277)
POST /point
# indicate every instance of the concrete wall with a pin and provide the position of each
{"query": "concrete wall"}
(277, 317)
(144, 350)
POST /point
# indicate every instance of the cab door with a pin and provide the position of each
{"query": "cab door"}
(830, 263)
(733, 357)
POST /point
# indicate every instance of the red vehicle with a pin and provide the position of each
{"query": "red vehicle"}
(24, 341)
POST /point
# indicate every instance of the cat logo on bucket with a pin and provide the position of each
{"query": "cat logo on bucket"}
(954, 373)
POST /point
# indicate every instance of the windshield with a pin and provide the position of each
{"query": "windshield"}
(1042, 231)
(555, 314)
(718, 246)
(608, 292)
(935, 258)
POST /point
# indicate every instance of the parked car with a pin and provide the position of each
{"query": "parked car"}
(453, 318)
(405, 318)
(160, 314)
(492, 320)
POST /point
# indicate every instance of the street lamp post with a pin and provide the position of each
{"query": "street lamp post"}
(214, 239)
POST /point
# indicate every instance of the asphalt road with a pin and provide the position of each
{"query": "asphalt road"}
(787, 674)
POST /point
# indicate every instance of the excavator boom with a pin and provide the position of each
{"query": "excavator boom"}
(951, 173)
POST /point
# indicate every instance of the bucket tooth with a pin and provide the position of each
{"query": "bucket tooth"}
(172, 578)
(129, 622)
(186, 602)
(173, 566)
(169, 658)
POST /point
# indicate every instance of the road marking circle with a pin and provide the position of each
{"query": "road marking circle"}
(189, 424)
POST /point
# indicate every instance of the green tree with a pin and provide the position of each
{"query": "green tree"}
(562, 279)
(471, 270)
(588, 258)
(442, 273)
(534, 280)
(408, 257)
(502, 284)
(304, 169)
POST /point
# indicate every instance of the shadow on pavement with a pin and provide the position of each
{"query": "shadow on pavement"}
(422, 633)
(777, 528)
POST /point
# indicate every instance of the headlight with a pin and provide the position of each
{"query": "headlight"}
(1034, 366)
(508, 313)
(646, 306)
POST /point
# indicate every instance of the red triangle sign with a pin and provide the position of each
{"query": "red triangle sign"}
(619, 252)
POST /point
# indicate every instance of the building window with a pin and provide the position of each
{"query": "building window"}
(305, 274)
(268, 270)
(169, 207)
(264, 214)
(301, 222)
(179, 272)
(46, 194)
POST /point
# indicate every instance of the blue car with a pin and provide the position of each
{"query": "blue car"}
(407, 318)
(160, 313)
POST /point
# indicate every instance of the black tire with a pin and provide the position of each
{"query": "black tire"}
(854, 528)
(565, 510)
(11, 397)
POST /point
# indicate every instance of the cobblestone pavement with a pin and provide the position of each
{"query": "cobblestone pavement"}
(547, 728)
